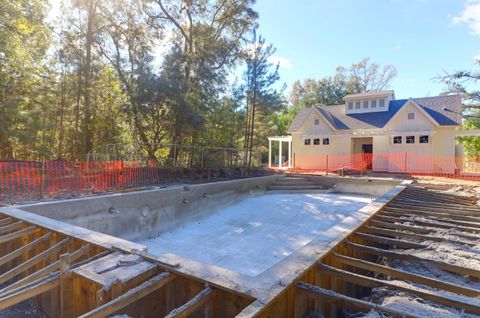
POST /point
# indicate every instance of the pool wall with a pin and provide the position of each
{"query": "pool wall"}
(144, 214)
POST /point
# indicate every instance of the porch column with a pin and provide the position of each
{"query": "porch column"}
(289, 153)
(280, 153)
(269, 153)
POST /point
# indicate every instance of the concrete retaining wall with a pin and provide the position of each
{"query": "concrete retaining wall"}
(145, 214)
(363, 185)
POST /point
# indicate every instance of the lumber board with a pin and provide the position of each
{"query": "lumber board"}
(32, 261)
(192, 305)
(428, 224)
(469, 220)
(16, 253)
(413, 236)
(464, 271)
(131, 296)
(11, 227)
(424, 293)
(11, 236)
(82, 251)
(415, 278)
(6, 221)
(338, 299)
(430, 217)
(393, 226)
(30, 292)
(389, 241)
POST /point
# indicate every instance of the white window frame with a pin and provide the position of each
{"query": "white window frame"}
(358, 105)
(381, 103)
(420, 139)
(365, 104)
(373, 103)
(350, 105)
(410, 137)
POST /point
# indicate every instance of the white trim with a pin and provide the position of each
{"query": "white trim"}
(420, 108)
(324, 119)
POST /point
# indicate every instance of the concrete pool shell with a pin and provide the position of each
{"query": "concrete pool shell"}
(239, 260)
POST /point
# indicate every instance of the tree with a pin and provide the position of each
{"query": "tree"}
(330, 90)
(372, 77)
(209, 35)
(24, 40)
(260, 96)
(466, 83)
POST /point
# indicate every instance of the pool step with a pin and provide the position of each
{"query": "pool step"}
(309, 187)
(293, 183)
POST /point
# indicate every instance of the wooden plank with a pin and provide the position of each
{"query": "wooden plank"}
(436, 218)
(413, 236)
(432, 212)
(424, 293)
(34, 260)
(393, 226)
(11, 256)
(390, 242)
(25, 231)
(11, 227)
(30, 292)
(411, 258)
(429, 224)
(192, 305)
(45, 270)
(332, 297)
(377, 268)
(6, 221)
(131, 296)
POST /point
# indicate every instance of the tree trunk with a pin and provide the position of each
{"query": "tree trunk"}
(87, 125)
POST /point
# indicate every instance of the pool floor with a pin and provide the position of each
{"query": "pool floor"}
(254, 234)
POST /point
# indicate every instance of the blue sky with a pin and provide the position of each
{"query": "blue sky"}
(421, 38)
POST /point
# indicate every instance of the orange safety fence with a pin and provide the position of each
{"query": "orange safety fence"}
(31, 180)
(414, 164)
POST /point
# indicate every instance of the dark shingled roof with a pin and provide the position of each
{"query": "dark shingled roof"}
(446, 110)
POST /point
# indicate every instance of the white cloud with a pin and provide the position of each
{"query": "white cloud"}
(283, 61)
(397, 46)
(470, 16)
(476, 58)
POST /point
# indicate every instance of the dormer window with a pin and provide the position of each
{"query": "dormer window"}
(368, 102)
(381, 103)
(373, 104)
(365, 104)
(350, 105)
(357, 105)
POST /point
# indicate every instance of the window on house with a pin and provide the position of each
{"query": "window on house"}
(317, 122)
(365, 104)
(411, 116)
(326, 141)
(410, 139)
(373, 104)
(307, 142)
(357, 105)
(397, 139)
(381, 103)
(350, 105)
(424, 139)
(316, 141)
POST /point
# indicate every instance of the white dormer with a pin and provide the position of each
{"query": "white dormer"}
(371, 102)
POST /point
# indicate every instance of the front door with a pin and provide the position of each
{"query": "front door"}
(367, 150)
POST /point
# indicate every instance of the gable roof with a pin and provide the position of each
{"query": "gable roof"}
(445, 110)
